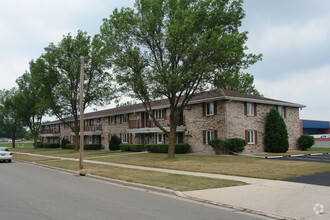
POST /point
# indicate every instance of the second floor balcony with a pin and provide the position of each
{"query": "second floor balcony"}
(94, 127)
(50, 131)
(149, 123)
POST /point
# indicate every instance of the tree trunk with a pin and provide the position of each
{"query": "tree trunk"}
(35, 140)
(171, 142)
(13, 136)
(76, 134)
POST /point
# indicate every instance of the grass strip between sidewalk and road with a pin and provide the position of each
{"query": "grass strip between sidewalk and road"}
(176, 182)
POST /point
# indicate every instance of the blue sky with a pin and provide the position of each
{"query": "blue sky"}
(292, 35)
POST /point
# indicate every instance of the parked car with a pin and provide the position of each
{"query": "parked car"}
(5, 154)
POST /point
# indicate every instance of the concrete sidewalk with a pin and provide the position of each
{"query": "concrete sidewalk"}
(278, 199)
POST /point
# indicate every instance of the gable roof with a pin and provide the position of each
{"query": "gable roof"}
(209, 96)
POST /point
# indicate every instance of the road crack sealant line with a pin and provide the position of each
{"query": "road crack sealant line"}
(236, 208)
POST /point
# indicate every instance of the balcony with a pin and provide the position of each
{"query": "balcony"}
(95, 127)
(51, 131)
(149, 123)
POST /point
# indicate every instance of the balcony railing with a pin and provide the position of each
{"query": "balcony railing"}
(51, 131)
(96, 127)
(133, 124)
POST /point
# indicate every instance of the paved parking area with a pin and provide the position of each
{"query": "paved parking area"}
(325, 158)
(321, 179)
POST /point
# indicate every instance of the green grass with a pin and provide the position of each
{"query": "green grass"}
(319, 149)
(228, 165)
(17, 144)
(153, 178)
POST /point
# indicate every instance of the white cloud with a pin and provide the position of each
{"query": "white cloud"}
(309, 88)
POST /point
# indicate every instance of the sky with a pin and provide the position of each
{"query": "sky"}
(292, 35)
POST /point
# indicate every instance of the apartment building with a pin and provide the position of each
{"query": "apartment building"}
(220, 114)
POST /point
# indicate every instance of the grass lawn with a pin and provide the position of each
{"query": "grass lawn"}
(159, 179)
(17, 144)
(66, 152)
(229, 165)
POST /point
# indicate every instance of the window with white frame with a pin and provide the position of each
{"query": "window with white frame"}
(209, 108)
(250, 109)
(112, 120)
(124, 138)
(251, 137)
(281, 110)
(160, 138)
(159, 114)
(124, 118)
(210, 135)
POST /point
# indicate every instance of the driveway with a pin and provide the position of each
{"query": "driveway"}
(325, 158)
(321, 179)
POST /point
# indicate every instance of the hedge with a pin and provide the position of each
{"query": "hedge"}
(86, 146)
(48, 145)
(132, 147)
(305, 141)
(163, 148)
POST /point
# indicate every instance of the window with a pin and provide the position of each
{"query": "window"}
(124, 138)
(209, 108)
(209, 136)
(281, 110)
(250, 109)
(112, 120)
(124, 118)
(250, 137)
(159, 114)
(160, 138)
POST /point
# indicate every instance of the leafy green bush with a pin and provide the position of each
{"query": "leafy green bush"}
(48, 145)
(163, 148)
(235, 145)
(64, 142)
(114, 143)
(86, 146)
(132, 147)
(276, 134)
(218, 146)
(305, 141)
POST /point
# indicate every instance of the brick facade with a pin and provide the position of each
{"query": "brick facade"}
(228, 118)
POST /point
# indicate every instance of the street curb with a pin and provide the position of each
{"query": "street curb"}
(260, 213)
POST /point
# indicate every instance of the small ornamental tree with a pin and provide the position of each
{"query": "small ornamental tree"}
(305, 141)
(114, 143)
(276, 134)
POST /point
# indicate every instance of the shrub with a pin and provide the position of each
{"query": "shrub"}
(132, 147)
(235, 145)
(305, 141)
(92, 146)
(86, 146)
(48, 145)
(276, 134)
(218, 146)
(163, 148)
(64, 142)
(114, 143)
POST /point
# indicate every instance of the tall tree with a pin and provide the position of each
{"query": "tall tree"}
(63, 74)
(8, 113)
(174, 49)
(33, 98)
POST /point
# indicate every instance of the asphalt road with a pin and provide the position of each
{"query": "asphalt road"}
(309, 158)
(33, 193)
(322, 179)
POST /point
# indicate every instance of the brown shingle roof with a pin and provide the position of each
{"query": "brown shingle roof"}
(198, 98)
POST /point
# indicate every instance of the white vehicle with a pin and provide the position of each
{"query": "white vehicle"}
(5, 154)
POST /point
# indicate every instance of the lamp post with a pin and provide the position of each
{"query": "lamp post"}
(81, 106)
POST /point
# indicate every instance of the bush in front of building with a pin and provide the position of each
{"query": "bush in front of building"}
(305, 141)
(86, 146)
(163, 148)
(64, 142)
(48, 145)
(132, 147)
(114, 143)
(218, 146)
(236, 145)
(276, 134)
